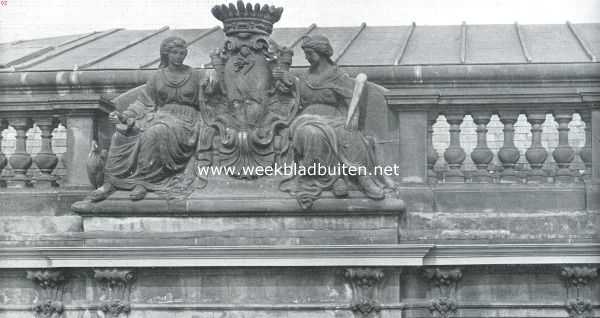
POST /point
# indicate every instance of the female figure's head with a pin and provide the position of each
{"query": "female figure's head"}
(317, 49)
(173, 51)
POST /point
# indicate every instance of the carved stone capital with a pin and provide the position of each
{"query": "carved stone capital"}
(444, 283)
(443, 277)
(365, 283)
(578, 276)
(114, 278)
(577, 281)
(116, 288)
(47, 279)
(51, 284)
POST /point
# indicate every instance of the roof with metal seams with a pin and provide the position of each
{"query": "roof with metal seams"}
(353, 46)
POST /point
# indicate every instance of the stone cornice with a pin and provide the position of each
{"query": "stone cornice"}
(521, 102)
(83, 104)
(318, 256)
(383, 74)
(494, 254)
(239, 256)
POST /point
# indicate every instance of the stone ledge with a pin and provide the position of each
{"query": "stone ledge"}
(211, 205)
(38, 202)
(509, 197)
(247, 256)
(302, 256)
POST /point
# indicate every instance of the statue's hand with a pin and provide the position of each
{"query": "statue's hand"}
(282, 75)
(211, 81)
(283, 80)
(116, 118)
(352, 125)
(122, 122)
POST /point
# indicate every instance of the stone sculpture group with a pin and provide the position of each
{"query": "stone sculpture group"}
(250, 110)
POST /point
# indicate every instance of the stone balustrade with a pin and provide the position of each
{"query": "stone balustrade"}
(534, 159)
(32, 164)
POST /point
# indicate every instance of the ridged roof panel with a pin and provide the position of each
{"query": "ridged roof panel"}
(493, 44)
(376, 46)
(552, 43)
(358, 45)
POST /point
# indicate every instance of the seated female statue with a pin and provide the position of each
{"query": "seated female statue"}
(328, 130)
(156, 136)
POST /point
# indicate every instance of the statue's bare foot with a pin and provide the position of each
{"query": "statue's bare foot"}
(101, 193)
(371, 188)
(138, 193)
(340, 188)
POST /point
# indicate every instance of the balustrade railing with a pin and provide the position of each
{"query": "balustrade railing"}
(25, 167)
(16, 164)
(506, 164)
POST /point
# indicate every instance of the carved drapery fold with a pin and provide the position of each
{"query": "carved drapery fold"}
(443, 284)
(51, 284)
(577, 281)
(365, 284)
(115, 285)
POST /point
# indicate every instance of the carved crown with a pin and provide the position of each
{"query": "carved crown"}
(247, 18)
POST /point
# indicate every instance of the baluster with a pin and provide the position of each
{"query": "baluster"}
(454, 154)
(536, 154)
(432, 154)
(509, 154)
(20, 160)
(586, 152)
(563, 154)
(46, 159)
(3, 161)
(481, 154)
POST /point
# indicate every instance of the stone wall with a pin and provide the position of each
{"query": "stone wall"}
(303, 292)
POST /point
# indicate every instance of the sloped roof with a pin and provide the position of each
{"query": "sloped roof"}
(353, 46)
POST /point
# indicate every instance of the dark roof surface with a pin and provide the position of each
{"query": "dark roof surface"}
(360, 45)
